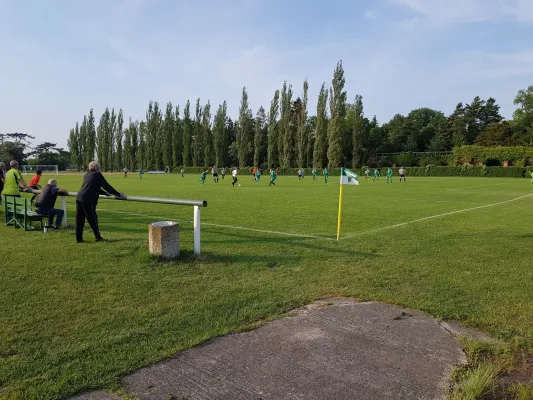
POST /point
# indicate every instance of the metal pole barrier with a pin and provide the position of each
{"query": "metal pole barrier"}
(196, 230)
(64, 204)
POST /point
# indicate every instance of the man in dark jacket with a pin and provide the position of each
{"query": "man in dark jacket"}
(46, 201)
(87, 199)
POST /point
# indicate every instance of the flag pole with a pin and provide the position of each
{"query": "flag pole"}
(340, 208)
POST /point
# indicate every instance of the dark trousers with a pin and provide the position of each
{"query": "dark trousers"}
(86, 211)
(234, 181)
(51, 212)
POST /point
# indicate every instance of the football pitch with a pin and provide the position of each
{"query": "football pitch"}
(79, 316)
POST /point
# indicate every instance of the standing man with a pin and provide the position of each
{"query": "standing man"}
(87, 199)
(402, 174)
(214, 172)
(125, 172)
(376, 175)
(234, 175)
(223, 172)
(182, 172)
(2, 178)
(326, 174)
(315, 172)
(140, 173)
(46, 201)
(389, 175)
(257, 175)
(14, 180)
(367, 173)
(300, 174)
(273, 176)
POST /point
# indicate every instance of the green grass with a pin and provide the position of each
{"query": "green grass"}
(79, 316)
(477, 383)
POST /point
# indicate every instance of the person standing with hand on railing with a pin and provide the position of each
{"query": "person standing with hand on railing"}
(87, 199)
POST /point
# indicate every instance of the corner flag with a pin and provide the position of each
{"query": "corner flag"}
(347, 178)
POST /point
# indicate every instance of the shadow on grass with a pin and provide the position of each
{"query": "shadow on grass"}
(301, 242)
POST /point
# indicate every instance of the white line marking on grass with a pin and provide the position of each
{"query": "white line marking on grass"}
(436, 216)
(242, 228)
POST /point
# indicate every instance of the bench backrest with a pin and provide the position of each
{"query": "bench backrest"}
(15, 204)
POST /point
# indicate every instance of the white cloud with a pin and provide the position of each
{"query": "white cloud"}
(471, 10)
(371, 14)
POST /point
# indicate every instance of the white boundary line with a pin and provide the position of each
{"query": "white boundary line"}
(223, 226)
(435, 216)
(323, 237)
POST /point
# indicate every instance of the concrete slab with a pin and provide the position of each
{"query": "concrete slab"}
(333, 349)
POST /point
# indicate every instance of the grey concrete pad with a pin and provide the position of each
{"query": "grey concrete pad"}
(96, 395)
(333, 349)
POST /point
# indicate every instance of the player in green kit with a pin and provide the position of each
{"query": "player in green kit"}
(389, 175)
(367, 173)
(140, 173)
(273, 177)
(315, 172)
(202, 178)
(257, 175)
(376, 175)
(326, 175)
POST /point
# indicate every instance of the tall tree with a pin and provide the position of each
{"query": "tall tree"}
(197, 136)
(220, 136)
(177, 139)
(187, 135)
(135, 143)
(284, 122)
(90, 143)
(149, 137)
(338, 113)
(272, 153)
(83, 142)
(142, 149)
(244, 130)
(523, 117)
(169, 126)
(321, 138)
(457, 126)
(102, 136)
(356, 123)
(231, 134)
(302, 135)
(311, 131)
(119, 135)
(73, 147)
(110, 141)
(259, 140)
(127, 155)
(207, 135)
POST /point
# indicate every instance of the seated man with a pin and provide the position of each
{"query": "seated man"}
(46, 201)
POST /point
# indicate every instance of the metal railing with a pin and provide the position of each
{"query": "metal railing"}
(180, 202)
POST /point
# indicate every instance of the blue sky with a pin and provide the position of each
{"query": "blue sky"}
(62, 57)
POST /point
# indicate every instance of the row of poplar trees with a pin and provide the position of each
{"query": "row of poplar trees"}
(286, 137)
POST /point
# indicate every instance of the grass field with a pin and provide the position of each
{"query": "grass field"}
(79, 316)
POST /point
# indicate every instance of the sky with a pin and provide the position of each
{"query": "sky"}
(60, 58)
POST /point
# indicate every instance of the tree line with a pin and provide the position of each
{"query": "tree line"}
(338, 133)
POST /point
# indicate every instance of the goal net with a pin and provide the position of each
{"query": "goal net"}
(47, 169)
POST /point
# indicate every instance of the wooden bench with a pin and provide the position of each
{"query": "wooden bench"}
(19, 213)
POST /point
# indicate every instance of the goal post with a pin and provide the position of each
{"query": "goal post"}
(47, 169)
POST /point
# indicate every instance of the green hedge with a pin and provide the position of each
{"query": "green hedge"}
(518, 155)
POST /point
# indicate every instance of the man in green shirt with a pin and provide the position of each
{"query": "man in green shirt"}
(257, 175)
(273, 176)
(202, 178)
(315, 172)
(376, 175)
(14, 180)
(326, 175)
(389, 175)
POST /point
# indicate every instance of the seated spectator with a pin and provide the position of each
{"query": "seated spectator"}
(34, 183)
(46, 201)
